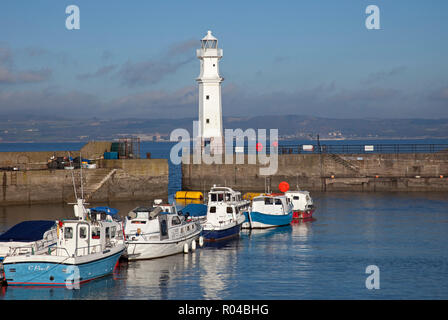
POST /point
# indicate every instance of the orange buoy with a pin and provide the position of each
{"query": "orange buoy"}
(283, 186)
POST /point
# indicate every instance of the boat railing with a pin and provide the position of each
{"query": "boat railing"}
(58, 251)
(32, 248)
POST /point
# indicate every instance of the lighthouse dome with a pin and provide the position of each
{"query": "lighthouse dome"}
(209, 41)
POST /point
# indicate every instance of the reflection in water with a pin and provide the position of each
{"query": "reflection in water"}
(153, 279)
(218, 261)
(102, 288)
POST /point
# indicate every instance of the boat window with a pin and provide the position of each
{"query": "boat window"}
(96, 233)
(83, 232)
(113, 232)
(107, 233)
(68, 232)
(138, 222)
(175, 221)
(163, 228)
(212, 209)
(229, 210)
(220, 197)
(268, 201)
(213, 197)
(307, 198)
(227, 197)
(296, 198)
(278, 201)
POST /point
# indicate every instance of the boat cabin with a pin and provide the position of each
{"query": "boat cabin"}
(223, 194)
(152, 223)
(271, 205)
(301, 200)
(86, 236)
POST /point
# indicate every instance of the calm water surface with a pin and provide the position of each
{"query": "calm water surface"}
(404, 234)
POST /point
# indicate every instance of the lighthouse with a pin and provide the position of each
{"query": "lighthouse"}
(210, 108)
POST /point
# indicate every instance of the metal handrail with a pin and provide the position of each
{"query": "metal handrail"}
(350, 148)
(36, 246)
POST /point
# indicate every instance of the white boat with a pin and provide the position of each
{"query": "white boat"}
(87, 248)
(227, 195)
(30, 236)
(267, 211)
(225, 216)
(303, 206)
(159, 231)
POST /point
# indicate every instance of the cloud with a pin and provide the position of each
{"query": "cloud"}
(148, 72)
(106, 55)
(14, 77)
(157, 104)
(383, 75)
(134, 74)
(9, 75)
(98, 73)
(49, 102)
(440, 94)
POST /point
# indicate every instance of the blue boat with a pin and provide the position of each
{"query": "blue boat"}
(224, 214)
(87, 248)
(268, 211)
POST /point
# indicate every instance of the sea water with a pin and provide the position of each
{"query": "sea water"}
(404, 235)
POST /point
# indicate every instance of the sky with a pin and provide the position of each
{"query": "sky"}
(138, 59)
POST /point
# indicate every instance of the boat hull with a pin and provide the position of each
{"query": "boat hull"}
(258, 220)
(32, 272)
(221, 234)
(299, 214)
(139, 250)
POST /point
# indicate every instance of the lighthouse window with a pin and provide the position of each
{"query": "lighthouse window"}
(207, 97)
(207, 121)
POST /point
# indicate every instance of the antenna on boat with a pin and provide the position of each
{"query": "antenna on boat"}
(80, 165)
(73, 176)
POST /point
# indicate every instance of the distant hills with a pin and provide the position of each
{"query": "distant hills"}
(33, 129)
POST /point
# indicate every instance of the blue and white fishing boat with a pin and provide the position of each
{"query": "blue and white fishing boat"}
(268, 211)
(87, 248)
(225, 216)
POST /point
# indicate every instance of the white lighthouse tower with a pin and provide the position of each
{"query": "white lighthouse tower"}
(210, 109)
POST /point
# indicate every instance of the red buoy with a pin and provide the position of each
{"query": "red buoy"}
(283, 186)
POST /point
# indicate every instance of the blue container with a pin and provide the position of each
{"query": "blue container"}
(110, 155)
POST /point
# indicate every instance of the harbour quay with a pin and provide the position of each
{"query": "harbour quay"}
(415, 168)
(49, 176)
